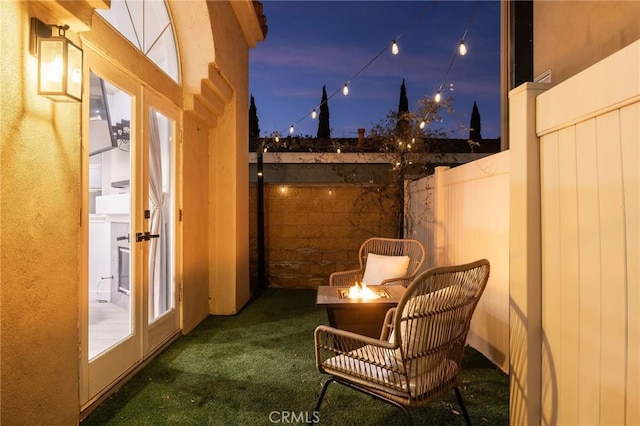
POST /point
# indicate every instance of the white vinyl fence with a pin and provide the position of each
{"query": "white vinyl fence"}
(461, 215)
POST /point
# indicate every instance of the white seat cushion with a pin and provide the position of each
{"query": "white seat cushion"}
(370, 364)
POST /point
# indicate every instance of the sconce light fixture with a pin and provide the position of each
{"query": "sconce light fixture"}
(59, 62)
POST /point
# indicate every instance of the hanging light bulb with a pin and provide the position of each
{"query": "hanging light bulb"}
(291, 129)
(422, 124)
(313, 114)
(438, 97)
(394, 48)
(277, 138)
(462, 49)
(345, 89)
(265, 149)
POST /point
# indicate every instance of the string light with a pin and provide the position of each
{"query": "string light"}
(462, 50)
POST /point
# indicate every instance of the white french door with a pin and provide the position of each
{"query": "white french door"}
(132, 228)
(161, 208)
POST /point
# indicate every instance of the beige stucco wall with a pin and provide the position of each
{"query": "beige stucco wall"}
(41, 193)
(229, 170)
(570, 36)
(39, 222)
(195, 253)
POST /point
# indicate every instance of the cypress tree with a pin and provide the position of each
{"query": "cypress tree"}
(403, 111)
(474, 125)
(254, 129)
(324, 131)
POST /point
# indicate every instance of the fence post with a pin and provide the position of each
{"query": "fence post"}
(525, 265)
(440, 209)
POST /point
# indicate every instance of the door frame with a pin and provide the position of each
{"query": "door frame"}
(93, 384)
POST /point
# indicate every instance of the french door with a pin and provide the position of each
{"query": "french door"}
(132, 227)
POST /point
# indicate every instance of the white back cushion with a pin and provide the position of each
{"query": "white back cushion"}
(379, 268)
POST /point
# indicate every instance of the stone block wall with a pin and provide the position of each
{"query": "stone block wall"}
(314, 230)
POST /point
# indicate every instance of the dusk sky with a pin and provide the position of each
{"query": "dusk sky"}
(316, 43)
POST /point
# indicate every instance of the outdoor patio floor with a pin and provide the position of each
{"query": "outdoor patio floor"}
(258, 368)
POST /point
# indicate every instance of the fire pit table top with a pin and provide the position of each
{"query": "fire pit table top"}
(338, 296)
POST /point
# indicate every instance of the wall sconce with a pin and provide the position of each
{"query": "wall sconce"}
(59, 62)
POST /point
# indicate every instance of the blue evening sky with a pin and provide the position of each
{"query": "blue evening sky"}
(316, 43)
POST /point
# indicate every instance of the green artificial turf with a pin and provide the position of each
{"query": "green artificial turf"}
(258, 368)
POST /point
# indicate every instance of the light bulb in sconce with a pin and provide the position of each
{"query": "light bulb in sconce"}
(394, 48)
(422, 124)
(438, 97)
(345, 89)
(462, 49)
(314, 114)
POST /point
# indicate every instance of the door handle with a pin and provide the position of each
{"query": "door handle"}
(146, 236)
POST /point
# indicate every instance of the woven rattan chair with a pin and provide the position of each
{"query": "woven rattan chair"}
(419, 354)
(385, 247)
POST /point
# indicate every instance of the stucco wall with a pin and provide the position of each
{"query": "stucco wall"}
(570, 36)
(40, 210)
(229, 170)
(195, 151)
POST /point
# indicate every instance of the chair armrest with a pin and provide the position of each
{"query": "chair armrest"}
(387, 325)
(345, 278)
(404, 281)
(331, 341)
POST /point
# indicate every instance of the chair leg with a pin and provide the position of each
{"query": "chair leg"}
(379, 398)
(322, 393)
(464, 409)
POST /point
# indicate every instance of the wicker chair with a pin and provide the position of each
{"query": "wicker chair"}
(385, 247)
(419, 354)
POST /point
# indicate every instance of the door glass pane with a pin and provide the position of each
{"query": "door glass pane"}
(147, 25)
(110, 282)
(161, 271)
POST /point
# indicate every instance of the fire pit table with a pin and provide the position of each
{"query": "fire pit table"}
(357, 314)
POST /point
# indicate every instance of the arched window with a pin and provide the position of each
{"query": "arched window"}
(147, 25)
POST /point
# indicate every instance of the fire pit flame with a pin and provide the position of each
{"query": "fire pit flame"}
(361, 291)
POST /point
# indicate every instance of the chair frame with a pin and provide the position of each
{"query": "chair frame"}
(435, 314)
(388, 247)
